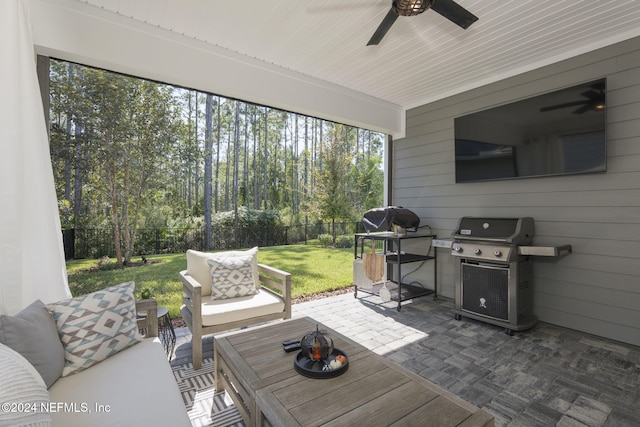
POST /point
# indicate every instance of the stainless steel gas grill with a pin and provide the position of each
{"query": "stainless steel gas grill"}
(494, 281)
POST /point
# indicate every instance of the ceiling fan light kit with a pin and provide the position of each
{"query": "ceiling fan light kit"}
(447, 8)
(410, 7)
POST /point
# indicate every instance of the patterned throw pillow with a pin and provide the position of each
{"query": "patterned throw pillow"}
(198, 268)
(95, 326)
(231, 277)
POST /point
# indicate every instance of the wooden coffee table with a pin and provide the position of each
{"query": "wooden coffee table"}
(261, 380)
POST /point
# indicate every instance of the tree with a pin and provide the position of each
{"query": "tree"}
(367, 177)
(127, 153)
(331, 198)
(131, 130)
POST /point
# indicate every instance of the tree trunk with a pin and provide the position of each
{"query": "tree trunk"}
(80, 158)
(217, 180)
(333, 230)
(196, 152)
(245, 159)
(236, 167)
(189, 155)
(125, 231)
(265, 157)
(294, 171)
(208, 147)
(227, 176)
(113, 195)
(256, 150)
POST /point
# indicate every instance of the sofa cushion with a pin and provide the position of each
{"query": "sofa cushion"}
(135, 387)
(21, 384)
(231, 277)
(198, 268)
(95, 326)
(33, 333)
(215, 312)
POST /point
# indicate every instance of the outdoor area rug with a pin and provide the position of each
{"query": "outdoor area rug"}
(204, 406)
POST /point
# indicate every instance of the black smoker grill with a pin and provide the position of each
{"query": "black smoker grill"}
(494, 282)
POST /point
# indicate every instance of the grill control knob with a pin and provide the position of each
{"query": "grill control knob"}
(457, 249)
(477, 251)
(497, 253)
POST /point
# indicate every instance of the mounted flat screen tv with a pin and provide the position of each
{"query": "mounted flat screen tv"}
(558, 133)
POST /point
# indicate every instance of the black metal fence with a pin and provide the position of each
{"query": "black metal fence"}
(98, 242)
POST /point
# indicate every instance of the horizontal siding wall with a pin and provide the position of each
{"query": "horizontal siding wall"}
(595, 289)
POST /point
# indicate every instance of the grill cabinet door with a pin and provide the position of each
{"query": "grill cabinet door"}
(485, 290)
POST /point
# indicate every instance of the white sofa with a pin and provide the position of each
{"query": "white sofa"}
(137, 384)
(133, 387)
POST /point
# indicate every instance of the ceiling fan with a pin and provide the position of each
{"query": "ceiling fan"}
(447, 8)
(595, 101)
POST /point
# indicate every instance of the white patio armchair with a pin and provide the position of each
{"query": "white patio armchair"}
(206, 315)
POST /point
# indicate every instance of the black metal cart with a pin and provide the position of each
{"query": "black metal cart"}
(395, 258)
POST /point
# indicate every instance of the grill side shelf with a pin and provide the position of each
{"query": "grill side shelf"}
(550, 251)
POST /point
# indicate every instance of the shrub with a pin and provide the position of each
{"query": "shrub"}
(344, 242)
(254, 228)
(326, 240)
(146, 293)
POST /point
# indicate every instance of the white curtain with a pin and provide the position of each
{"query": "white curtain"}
(31, 254)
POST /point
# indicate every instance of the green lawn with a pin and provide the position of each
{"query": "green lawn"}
(313, 269)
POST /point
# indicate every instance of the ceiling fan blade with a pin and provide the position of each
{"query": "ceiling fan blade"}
(565, 105)
(584, 109)
(384, 26)
(592, 94)
(454, 12)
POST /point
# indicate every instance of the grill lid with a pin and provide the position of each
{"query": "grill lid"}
(383, 219)
(513, 231)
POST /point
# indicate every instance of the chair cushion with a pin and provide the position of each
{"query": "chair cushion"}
(198, 268)
(34, 335)
(216, 312)
(95, 326)
(231, 277)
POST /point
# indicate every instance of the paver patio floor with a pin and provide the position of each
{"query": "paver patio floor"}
(546, 376)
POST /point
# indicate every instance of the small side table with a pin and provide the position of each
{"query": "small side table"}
(165, 330)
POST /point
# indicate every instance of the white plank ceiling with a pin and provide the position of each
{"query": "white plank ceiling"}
(421, 59)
